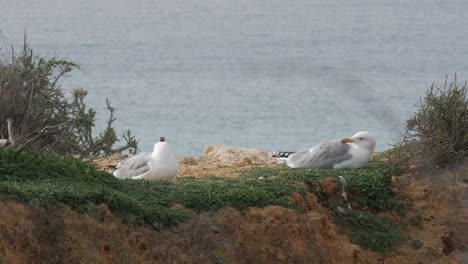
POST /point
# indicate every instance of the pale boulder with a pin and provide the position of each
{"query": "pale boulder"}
(228, 155)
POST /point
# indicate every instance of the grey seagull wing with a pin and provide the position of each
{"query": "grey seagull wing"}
(323, 156)
(133, 166)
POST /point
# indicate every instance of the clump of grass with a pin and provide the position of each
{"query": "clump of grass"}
(371, 231)
(440, 125)
(416, 220)
(371, 183)
(392, 162)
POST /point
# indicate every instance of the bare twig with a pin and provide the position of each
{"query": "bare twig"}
(11, 137)
(343, 193)
(45, 131)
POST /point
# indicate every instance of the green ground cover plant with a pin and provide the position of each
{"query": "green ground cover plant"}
(371, 231)
(27, 177)
(372, 183)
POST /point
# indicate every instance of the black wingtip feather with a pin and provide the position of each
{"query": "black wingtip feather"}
(282, 154)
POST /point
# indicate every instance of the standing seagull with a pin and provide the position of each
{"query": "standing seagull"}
(347, 153)
(159, 164)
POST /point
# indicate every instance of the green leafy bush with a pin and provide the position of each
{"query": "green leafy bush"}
(35, 113)
(440, 124)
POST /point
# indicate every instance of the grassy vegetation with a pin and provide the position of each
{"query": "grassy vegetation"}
(371, 231)
(52, 180)
(370, 185)
(27, 177)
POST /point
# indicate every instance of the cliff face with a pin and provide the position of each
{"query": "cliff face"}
(30, 234)
(434, 200)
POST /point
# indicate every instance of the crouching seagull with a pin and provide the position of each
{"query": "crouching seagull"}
(347, 153)
(159, 164)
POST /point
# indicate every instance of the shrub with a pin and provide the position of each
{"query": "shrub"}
(440, 124)
(35, 113)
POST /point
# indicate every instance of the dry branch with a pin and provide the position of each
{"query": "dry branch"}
(11, 137)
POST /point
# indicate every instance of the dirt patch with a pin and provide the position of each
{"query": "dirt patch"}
(436, 202)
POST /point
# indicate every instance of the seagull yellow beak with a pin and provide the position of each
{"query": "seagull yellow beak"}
(347, 140)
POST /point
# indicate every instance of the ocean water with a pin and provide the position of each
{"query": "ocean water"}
(265, 74)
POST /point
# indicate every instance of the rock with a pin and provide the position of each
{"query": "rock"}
(219, 260)
(328, 186)
(215, 229)
(416, 244)
(340, 210)
(229, 155)
(463, 173)
(104, 213)
(245, 161)
(3, 142)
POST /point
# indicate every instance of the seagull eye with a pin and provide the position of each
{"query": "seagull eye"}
(361, 138)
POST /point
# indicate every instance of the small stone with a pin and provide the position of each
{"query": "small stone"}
(340, 210)
(107, 247)
(416, 244)
(219, 260)
(394, 183)
(215, 229)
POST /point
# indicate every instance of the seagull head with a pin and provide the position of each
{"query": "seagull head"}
(162, 149)
(362, 139)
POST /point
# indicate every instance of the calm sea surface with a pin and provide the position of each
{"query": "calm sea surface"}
(266, 74)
